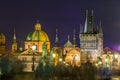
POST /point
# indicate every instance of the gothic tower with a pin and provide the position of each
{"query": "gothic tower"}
(91, 39)
(14, 43)
(57, 47)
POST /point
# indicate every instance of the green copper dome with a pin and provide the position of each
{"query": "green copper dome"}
(2, 36)
(37, 34)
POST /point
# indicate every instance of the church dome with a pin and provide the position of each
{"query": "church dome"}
(2, 36)
(37, 34)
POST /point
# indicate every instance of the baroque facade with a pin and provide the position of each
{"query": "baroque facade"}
(37, 37)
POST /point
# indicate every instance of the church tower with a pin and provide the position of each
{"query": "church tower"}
(14, 43)
(57, 47)
(91, 39)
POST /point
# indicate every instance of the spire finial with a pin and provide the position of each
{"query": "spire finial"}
(81, 28)
(100, 22)
(100, 28)
(14, 37)
(37, 21)
(68, 37)
(74, 39)
(56, 39)
(37, 26)
(92, 12)
(86, 13)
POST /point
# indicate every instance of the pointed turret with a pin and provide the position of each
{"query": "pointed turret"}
(85, 28)
(14, 37)
(68, 44)
(56, 40)
(81, 28)
(14, 43)
(89, 23)
(74, 39)
(100, 28)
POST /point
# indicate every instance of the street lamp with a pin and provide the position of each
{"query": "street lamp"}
(54, 55)
(60, 59)
(33, 66)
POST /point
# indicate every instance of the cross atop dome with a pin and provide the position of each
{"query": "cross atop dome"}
(38, 26)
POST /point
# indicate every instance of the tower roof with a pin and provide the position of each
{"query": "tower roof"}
(89, 23)
(68, 43)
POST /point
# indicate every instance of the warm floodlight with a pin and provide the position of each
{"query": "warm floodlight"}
(33, 47)
(53, 55)
(60, 59)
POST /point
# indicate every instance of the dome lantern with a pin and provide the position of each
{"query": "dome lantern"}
(38, 26)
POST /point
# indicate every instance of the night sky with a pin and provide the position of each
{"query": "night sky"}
(65, 15)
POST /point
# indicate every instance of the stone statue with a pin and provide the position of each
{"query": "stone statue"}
(44, 49)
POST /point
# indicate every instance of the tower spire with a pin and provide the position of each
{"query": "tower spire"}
(85, 28)
(56, 39)
(92, 12)
(14, 43)
(86, 13)
(68, 37)
(74, 39)
(81, 28)
(14, 37)
(100, 28)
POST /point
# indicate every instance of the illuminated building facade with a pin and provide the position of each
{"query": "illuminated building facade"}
(2, 44)
(31, 57)
(37, 37)
(27, 60)
(91, 39)
(71, 53)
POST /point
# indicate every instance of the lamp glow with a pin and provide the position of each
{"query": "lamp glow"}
(53, 55)
(116, 56)
(60, 59)
(33, 47)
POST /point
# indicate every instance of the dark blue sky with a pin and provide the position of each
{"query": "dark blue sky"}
(62, 14)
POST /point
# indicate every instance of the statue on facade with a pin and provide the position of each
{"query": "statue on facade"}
(44, 50)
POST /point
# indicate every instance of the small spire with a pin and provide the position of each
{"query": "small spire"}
(68, 37)
(92, 12)
(100, 22)
(100, 28)
(86, 13)
(85, 27)
(74, 39)
(81, 28)
(56, 39)
(14, 37)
